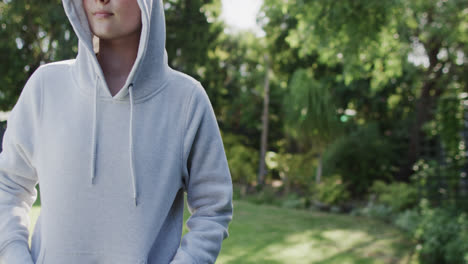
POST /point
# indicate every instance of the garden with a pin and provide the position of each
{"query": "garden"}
(344, 123)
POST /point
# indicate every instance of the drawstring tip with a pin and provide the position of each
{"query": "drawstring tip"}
(135, 200)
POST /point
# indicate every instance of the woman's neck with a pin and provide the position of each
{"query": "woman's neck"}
(116, 58)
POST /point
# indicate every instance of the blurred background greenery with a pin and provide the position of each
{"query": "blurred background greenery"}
(346, 110)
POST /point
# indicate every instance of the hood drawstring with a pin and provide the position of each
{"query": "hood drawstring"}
(132, 167)
(94, 136)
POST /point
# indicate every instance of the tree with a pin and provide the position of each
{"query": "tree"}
(264, 139)
(193, 30)
(378, 42)
(310, 114)
(32, 33)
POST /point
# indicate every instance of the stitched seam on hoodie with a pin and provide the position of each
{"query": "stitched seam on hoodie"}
(40, 114)
(184, 128)
(41, 92)
(74, 82)
(143, 99)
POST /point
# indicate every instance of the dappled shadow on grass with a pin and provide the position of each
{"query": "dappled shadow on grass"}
(266, 234)
(354, 254)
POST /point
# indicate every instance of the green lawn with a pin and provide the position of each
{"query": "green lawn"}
(267, 234)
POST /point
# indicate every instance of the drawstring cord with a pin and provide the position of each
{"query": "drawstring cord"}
(132, 167)
(94, 136)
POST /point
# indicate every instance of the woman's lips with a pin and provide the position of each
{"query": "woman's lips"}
(102, 14)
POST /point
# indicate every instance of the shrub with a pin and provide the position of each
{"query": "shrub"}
(378, 211)
(359, 161)
(441, 233)
(441, 183)
(266, 196)
(297, 169)
(408, 220)
(398, 196)
(457, 249)
(294, 201)
(330, 191)
(243, 161)
(443, 236)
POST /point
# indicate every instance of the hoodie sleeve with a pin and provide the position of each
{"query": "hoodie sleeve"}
(208, 184)
(18, 176)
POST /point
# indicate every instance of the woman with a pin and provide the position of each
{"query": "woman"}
(114, 138)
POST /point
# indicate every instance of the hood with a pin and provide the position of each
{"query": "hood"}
(148, 75)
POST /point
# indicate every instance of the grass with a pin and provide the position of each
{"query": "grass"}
(267, 234)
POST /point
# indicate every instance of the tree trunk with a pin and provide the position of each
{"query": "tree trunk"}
(264, 139)
(286, 184)
(430, 93)
(423, 109)
(318, 174)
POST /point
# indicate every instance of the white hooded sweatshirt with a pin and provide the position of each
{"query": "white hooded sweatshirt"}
(113, 170)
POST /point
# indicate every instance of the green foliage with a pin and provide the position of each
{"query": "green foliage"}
(293, 200)
(243, 161)
(370, 38)
(310, 110)
(457, 249)
(271, 196)
(192, 30)
(396, 195)
(447, 125)
(266, 196)
(408, 220)
(441, 233)
(239, 80)
(32, 33)
(377, 211)
(424, 170)
(443, 236)
(374, 49)
(330, 191)
(359, 29)
(427, 177)
(361, 157)
(389, 200)
(450, 121)
(440, 183)
(297, 169)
